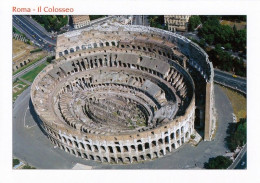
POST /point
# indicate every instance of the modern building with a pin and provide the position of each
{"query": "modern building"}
(80, 21)
(177, 22)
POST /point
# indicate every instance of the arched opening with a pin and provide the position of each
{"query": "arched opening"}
(133, 147)
(82, 145)
(89, 147)
(173, 145)
(110, 149)
(68, 150)
(160, 141)
(71, 50)
(172, 135)
(153, 143)
(79, 154)
(64, 140)
(118, 149)
(177, 133)
(91, 157)
(66, 52)
(70, 142)
(125, 149)
(148, 156)
(140, 147)
(85, 155)
(120, 160)
(77, 48)
(167, 149)
(142, 157)
(73, 152)
(103, 149)
(166, 139)
(107, 43)
(83, 47)
(187, 135)
(105, 159)
(134, 159)
(112, 160)
(182, 140)
(161, 152)
(146, 145)
(98, 158)
(95, 148)
(127, 160)
(76, 144)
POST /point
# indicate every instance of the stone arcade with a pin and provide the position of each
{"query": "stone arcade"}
(124, 94)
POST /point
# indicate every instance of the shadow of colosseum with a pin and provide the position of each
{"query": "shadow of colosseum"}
(36, 118)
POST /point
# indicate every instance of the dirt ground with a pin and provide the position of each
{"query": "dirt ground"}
(239, 25)
(21, 51)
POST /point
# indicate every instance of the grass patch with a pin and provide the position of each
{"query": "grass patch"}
(238, 102)
(27, 65)
(19, 87)
(36, 50)
(33, 73)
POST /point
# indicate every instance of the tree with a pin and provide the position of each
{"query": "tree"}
(16, 162)
(228, 46)
(238, 137)
(219, 162)
(194, 21)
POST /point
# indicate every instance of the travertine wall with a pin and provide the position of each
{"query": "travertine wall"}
(86, 98)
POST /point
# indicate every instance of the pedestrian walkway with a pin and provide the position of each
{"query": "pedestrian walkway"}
(25, 81)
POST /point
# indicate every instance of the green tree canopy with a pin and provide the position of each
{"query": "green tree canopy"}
(194, 21)
(219, 162)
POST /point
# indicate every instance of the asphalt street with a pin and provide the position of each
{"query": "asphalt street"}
(36, 35)
(228, 79)
(31, 145)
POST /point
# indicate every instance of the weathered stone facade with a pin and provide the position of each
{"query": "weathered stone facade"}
(120, 94)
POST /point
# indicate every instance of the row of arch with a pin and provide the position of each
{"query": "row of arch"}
(173, 138)
(117, 158)
(89, 46)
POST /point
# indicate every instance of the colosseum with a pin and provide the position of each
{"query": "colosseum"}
(124, 93)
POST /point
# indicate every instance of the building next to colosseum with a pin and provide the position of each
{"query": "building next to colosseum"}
(124, 94)
(177, 22)
(80, 21)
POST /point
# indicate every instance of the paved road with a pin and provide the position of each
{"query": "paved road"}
(32, 146)
(227, 79)
(242, 162)
(29, 142)
(36, 35)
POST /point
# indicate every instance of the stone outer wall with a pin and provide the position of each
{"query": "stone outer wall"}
(143, 145)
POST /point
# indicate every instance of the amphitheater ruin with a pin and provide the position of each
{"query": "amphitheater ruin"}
(124, 93)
